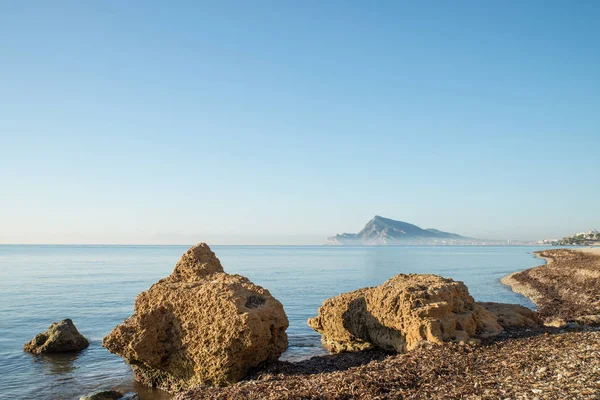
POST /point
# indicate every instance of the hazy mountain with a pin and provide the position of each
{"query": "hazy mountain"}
(381, 231)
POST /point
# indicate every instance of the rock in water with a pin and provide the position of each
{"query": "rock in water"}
(103, 395)
(402, 313)
(61, 337)
(200, 325)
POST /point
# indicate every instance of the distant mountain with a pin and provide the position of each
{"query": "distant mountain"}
(382, 231)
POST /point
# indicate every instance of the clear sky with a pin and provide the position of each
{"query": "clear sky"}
(276, 122)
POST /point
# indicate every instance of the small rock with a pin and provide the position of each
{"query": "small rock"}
(556, 323)
(60, 337)
(536, 391)
(103, 395)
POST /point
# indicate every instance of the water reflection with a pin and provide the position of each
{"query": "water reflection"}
(57, 364)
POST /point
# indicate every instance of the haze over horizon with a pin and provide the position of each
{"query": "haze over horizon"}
(271, 123)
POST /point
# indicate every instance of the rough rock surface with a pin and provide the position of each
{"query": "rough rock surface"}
(513, 315)
(61, 337)
(200, 325)
(402, 313)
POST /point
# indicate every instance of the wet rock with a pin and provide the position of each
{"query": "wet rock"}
(103, 395)
(200, 325)
(402, 313)
(61, 337)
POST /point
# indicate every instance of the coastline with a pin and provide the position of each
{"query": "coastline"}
(522, 288)
(518, 363)
(565, 287)
(546, 363)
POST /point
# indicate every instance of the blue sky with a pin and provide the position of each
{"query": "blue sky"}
(285, 122)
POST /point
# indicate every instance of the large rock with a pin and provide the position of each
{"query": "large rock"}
(200, 325)
(61, 337)
(402, 313)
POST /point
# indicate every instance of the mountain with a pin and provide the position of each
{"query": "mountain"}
(382, 231)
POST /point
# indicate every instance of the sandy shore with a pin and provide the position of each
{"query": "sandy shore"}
(567, 287)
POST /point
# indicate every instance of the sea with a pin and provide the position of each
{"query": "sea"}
(96, 286)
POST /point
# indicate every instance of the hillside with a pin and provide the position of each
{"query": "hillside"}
(382, 231)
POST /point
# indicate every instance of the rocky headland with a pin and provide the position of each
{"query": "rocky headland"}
(382, 231)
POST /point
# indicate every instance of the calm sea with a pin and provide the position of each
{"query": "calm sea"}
(95, 286)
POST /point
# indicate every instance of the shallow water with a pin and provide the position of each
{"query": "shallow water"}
(95, 286)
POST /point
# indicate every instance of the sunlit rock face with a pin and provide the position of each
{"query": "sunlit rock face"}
(200, 325)
(402, 313)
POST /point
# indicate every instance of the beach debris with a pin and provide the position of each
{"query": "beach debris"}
(402, 313)
(60, 337)
(200, 325)
(565, 290)
(508, 366)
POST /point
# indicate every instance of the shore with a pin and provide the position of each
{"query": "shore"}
(548, 363)
(566, 288)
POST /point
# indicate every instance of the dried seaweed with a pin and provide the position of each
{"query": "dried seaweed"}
(520, 364)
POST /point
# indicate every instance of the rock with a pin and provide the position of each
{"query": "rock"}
(61, 337)
(513, 315)
(200, 325)
(402, 313)
(556, 323)
(103, 395)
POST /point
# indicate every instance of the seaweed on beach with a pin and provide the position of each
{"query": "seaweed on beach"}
(520, 364)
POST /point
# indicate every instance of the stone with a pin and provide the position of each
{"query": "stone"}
(103, 395)
(402, 313)
(61, 337)
(556, 323)
(513, 315)
(200, 326)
